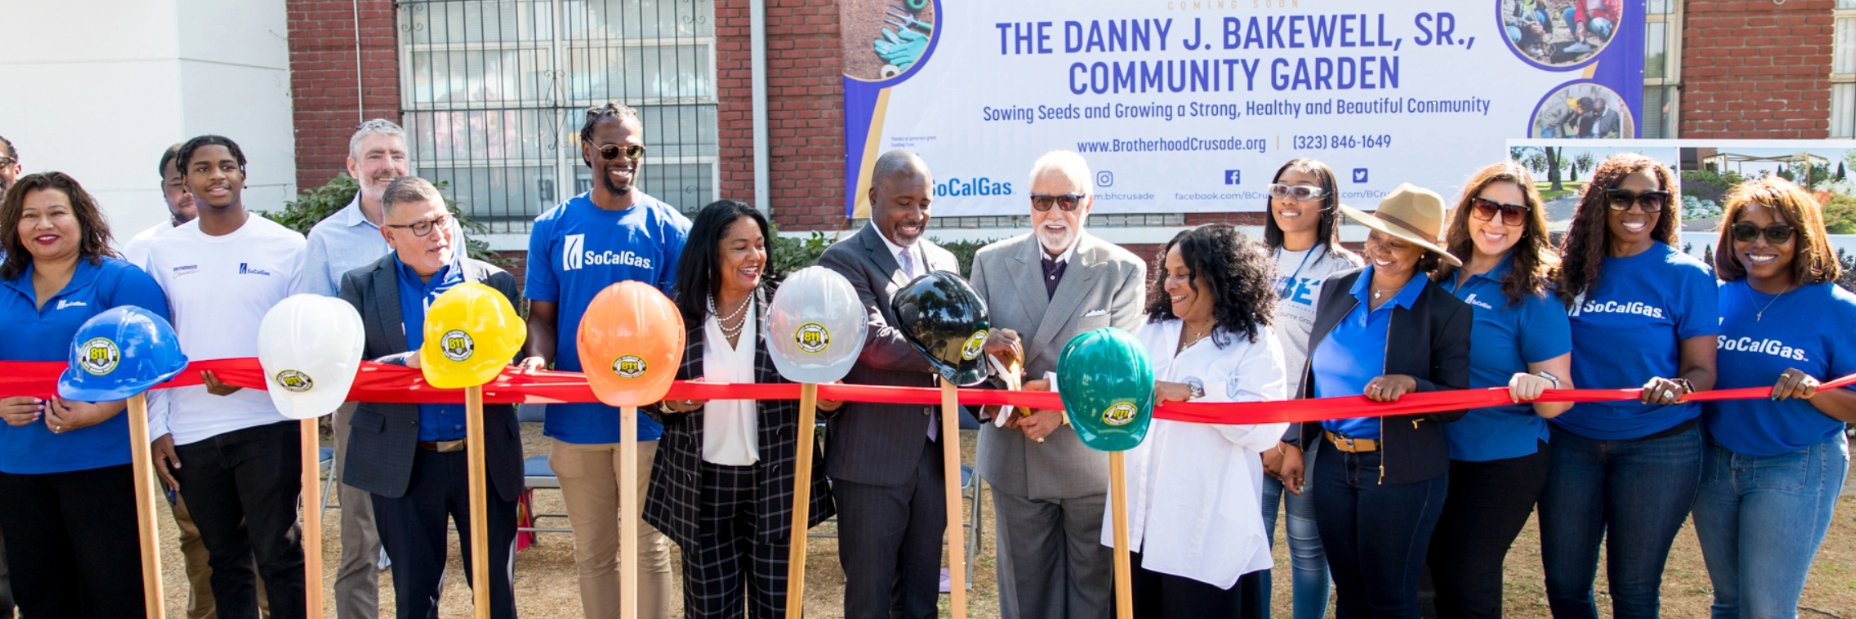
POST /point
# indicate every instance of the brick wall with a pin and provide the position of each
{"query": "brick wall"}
(1753, 69)
(805, 110)
(322, 79)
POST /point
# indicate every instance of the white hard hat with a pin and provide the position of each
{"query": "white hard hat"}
(310, 348)
(815, 326)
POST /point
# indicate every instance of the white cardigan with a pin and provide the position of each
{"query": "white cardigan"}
(1195, 490)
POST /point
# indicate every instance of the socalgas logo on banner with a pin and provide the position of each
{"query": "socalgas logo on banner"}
(982, 186)
(575, 255)
(1766, 346)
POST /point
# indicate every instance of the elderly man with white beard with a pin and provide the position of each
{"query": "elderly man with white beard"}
(1042, 289)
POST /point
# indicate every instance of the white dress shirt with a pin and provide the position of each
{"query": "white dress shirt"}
(730, 431)
(1195, 490)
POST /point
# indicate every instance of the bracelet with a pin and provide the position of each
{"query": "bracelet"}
(1687, 387)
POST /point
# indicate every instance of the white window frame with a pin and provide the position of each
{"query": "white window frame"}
(1671, 81)
(1844, 15)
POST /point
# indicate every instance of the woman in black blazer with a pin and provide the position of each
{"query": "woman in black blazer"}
(722, 481)
(1385, 331)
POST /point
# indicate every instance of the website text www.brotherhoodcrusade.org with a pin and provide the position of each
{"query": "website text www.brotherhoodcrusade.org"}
(1163, 145)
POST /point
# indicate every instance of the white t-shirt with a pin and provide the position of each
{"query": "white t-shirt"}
(136, 250)
(219, 288)
(1298, 281)
(730, 432)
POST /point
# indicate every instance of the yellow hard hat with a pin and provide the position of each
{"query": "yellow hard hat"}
(471, 334)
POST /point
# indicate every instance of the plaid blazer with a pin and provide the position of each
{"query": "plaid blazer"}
(672, 503)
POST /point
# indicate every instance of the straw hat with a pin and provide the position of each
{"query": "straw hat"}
(1411, 213)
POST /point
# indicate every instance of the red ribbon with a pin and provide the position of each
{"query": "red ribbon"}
(392, 384)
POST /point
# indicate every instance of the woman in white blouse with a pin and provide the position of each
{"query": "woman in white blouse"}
(1194, 490)
(722, 480)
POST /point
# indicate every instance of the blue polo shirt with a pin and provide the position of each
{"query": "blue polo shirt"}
(1809, 331)
(1506, 337)
(36, 333)
(1354, 353)
(437, 422)
(576, 250)
(1629, 328)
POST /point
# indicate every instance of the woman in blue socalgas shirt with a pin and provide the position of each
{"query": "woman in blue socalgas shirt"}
(1643, 315)
(1521, 340)
(1774, 468)
(65, 480)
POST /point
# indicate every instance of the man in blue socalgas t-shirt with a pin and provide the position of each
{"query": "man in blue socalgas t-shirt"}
(611, 234)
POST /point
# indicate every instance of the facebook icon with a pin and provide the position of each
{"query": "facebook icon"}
(1231, 177)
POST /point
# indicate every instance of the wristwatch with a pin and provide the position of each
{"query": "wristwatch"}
(1549, 376)
(1198, 390)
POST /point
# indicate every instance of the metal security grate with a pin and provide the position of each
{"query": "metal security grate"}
(493, 94)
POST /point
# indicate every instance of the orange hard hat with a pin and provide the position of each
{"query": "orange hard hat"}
(631, 342)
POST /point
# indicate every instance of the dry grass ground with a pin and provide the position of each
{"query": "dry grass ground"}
(546, 585)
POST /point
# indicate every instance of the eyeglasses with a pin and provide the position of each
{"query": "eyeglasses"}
(1646, 202)
(1776, 234)
(422, 228)
(1299, 193)
(1512, 214)
(631, 151)
(7, 161)
(1067, 202)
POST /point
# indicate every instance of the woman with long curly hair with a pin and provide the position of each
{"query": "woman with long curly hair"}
(1643, 316)
(1382, 332)
(1521, 340)
(1194, 522)
(1774, 467)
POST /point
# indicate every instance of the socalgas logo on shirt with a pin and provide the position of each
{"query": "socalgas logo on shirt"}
(1767, 346)
(1638, 308)
(575, 256)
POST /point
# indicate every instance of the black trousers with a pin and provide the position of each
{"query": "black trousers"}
(242, 488)
(1165, 596)
(412, 528)
(1375, 534)
(731, 567)
(889, 542)
(1487, 506)
(73, 537)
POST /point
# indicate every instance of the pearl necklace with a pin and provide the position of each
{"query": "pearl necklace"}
(734, 316)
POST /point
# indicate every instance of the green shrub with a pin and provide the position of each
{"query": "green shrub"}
(315, 205)
(1840, 214)
(1709, 186)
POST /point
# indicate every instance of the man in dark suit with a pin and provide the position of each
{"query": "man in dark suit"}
(885, 460)
(411, 458)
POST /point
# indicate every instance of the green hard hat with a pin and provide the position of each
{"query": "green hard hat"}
(1107, 386)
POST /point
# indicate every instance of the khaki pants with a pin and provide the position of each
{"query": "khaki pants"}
(200, 574)
(357, 582)
(589, 476)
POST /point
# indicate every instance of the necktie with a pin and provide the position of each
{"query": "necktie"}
(908, 264)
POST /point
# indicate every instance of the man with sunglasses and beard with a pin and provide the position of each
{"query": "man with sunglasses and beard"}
(1050, 490)
(348, 240)
(610, 234)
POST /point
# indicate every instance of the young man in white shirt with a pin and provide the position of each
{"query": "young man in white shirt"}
(241, 476)
(180, 207)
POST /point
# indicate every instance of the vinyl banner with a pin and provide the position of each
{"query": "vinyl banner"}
(1190, 106)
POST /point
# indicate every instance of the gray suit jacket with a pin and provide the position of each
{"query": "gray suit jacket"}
(880, 444)
(1104, 286)
(386, 436)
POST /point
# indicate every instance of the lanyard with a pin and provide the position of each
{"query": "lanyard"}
(1283, 293)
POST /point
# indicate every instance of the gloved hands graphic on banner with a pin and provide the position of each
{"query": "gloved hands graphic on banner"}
(901, 50)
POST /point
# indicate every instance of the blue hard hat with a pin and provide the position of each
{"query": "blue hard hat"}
(120, 353)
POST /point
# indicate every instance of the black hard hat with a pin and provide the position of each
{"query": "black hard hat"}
(942, 316)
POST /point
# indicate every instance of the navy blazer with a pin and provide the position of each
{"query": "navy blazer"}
(385, 437)
(1428, 342)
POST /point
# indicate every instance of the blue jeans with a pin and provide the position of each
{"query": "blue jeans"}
(1631, 494)
(1308, 562)
(1375, 534)
(1761, 521)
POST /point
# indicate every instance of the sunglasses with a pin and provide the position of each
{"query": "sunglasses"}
(1776, 234)
(1646, 202)
(612, 151)
(1067, 202)
(1512, 214)
(422, 228)
(1299, 193)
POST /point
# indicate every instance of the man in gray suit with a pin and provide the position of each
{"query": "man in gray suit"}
(1042, 289)
(411, 458)
(885, 460)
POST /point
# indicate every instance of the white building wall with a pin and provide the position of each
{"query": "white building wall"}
(98, 89)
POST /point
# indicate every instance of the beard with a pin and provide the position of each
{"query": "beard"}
(614, 188)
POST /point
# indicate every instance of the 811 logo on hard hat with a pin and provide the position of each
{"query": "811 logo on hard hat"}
(294, 381)
(974, 346)
(628, 366)
(1121, 414)
(99, 357)
(457, 345)
(813, 338)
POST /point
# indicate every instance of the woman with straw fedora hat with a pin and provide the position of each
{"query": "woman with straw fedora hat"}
(1384, 331)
